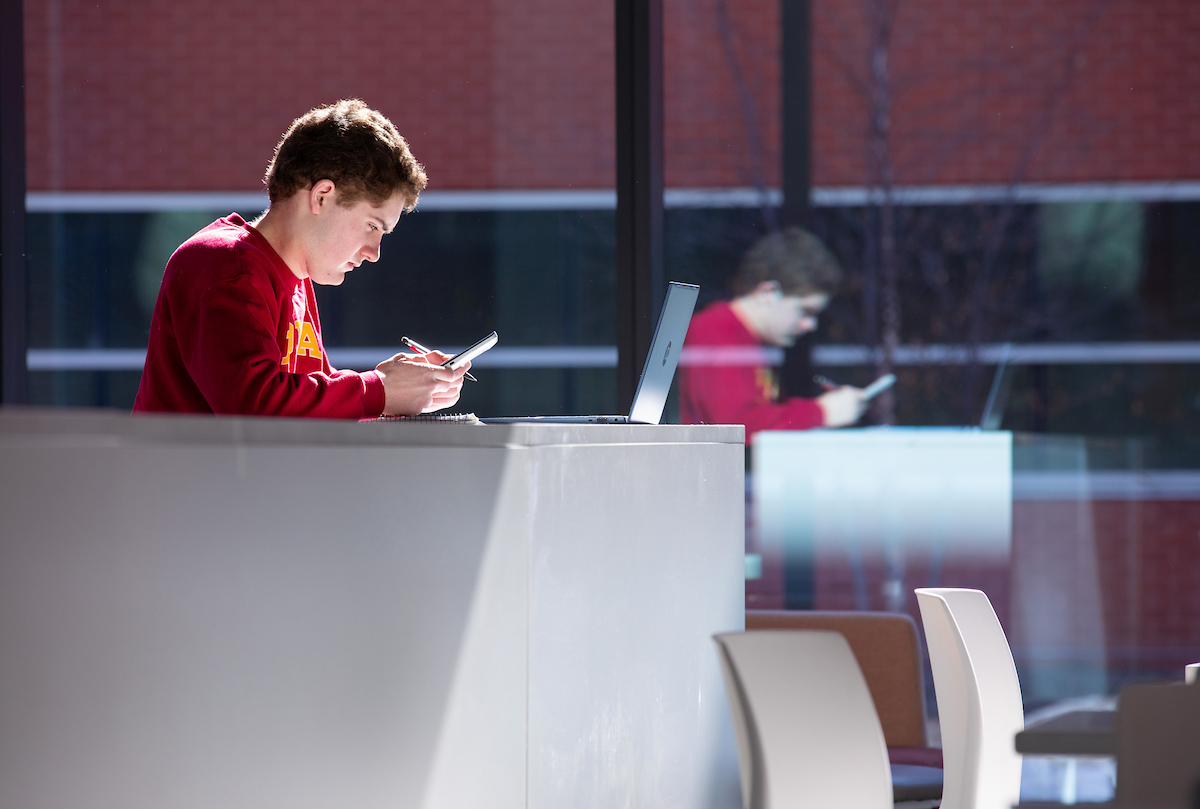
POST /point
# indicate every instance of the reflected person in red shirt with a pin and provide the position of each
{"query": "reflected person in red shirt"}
(782, 284)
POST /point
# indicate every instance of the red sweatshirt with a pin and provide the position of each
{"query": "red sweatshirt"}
(234, 331)
(724, 378)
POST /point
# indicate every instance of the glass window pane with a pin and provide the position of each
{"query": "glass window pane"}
(147, 122)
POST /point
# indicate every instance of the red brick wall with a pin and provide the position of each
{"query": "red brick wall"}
(992, 91)
(709, 141)
(191, 95)
(194, 94)
(1149, 556)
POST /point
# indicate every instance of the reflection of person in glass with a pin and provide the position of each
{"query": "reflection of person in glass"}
(235, 327)
(781, 286)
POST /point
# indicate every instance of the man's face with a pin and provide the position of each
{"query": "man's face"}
(341, 239)
(786, 317)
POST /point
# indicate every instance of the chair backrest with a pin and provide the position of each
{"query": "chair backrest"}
(978, 697)
(886, 649)
(806, 729)
(1158, 746)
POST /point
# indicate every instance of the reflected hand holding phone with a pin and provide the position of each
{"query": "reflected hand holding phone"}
(868, 393)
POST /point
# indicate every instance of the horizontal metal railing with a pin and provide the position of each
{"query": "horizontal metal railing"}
(572, 199)
(1133, 353)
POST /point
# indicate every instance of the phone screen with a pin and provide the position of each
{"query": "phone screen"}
(463, 357)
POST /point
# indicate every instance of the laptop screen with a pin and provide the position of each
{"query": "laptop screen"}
(659, 370)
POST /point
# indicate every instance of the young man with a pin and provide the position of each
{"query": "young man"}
(782, 284)
(235, 329)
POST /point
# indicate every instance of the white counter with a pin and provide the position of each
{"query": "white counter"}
(200, 612)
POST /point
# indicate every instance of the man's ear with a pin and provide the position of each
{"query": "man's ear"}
(768, 288)
(321, 195)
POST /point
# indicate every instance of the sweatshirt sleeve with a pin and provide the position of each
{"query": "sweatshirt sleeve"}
(729, 395)
(229, 347)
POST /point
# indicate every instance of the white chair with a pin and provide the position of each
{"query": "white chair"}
(978, 697)
(807, 732)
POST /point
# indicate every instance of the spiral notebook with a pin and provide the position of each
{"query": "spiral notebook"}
(452, 418)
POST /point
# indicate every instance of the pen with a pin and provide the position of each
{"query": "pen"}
(420, 349)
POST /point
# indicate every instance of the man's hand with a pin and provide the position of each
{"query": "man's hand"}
(842, 406)
(418, 384)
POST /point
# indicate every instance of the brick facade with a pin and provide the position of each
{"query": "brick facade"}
(191, 96)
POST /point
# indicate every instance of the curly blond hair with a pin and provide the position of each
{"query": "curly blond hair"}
(793, 258)
(352, 145)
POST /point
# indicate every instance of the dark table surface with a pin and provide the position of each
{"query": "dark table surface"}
(1076, 733)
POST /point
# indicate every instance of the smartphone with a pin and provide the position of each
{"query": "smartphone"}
(879, 386)
(463, 357)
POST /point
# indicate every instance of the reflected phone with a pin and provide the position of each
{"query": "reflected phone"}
(465, 356)
(879, 386)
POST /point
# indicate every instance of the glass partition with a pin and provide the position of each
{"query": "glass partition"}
(1018, 244)
(1088, 548)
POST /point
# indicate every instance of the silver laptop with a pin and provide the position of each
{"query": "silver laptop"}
(657, 373)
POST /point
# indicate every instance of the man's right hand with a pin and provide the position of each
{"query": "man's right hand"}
(418, 384)
(843, 406)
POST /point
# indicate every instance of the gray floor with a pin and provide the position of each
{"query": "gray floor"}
(1069, 780)
(1057, 778)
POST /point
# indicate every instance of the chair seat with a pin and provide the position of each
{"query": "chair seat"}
(920, 756)
(913, 783)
